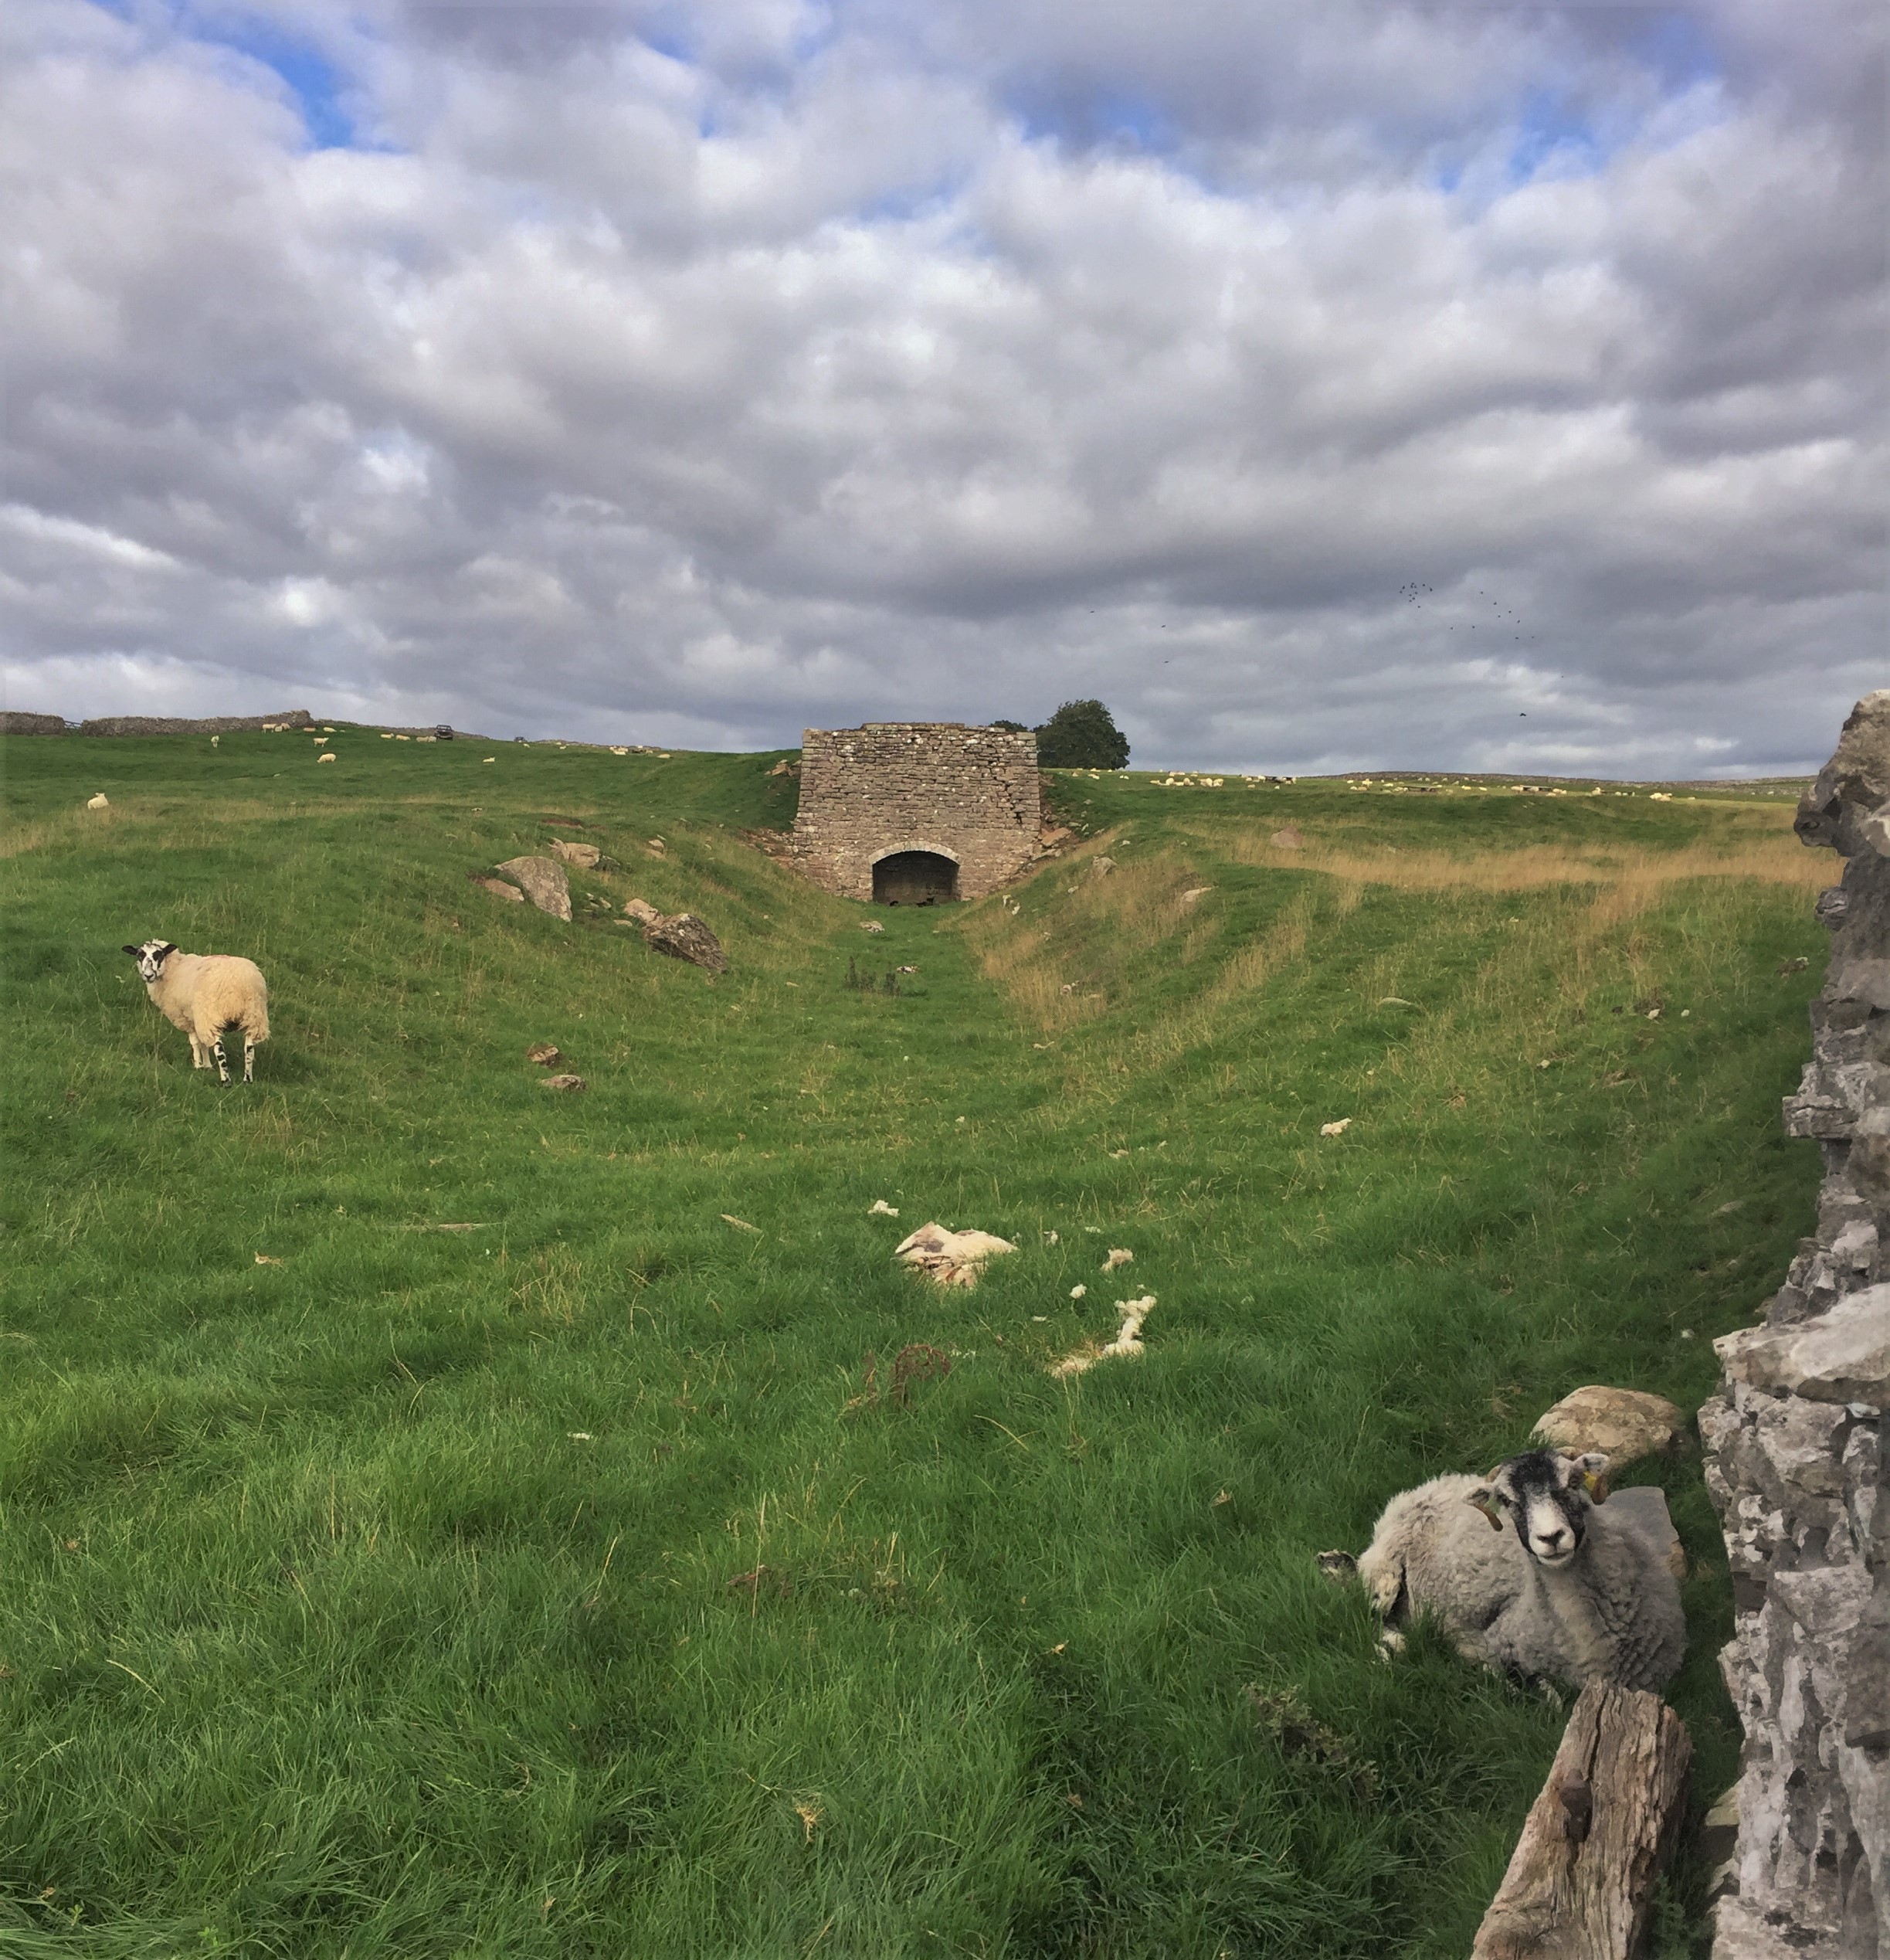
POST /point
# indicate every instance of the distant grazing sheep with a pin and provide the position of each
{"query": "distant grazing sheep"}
(1570, 1592)
(203, 994)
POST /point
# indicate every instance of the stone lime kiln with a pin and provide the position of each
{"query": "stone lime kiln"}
(917, 813)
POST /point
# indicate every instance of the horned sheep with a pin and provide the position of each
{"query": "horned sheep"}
(1568, 1592)
(203, 994)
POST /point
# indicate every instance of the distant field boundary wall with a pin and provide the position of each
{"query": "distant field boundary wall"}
(12, 723)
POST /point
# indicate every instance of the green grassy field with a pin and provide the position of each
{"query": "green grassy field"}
(577, 1584)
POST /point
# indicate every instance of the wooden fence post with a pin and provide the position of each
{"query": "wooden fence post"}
(1580, 1882)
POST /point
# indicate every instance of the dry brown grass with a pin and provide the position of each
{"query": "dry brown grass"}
(1057, 972)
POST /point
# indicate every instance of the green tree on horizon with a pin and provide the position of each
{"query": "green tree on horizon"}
(1082, 735)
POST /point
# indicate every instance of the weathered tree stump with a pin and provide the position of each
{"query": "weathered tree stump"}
(1580, 1882)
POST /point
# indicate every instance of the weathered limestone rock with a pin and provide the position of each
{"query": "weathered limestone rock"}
(1794, 1457)
(584, 856)
(685, 937)
(499, 889)
(1289, 839)
(543, 881)
(1624, 1424)
(642, 911)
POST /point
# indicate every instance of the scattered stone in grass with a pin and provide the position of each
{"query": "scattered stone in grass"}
(879, 1208)
(581, 1436)
(1289, 839)
(543, 1053)
(1792, 965)
(543, 881)
(947, 1258)
(741, 1225)
(1199, 891)
(642, 911)
(1624, 1424)
(262, 1258)
(1335, 1128)
(1392, 1000)
(1100, 867)
(498, 888)
(563, 1082)
(1118, 1255)
(686, 937)
(584, 856)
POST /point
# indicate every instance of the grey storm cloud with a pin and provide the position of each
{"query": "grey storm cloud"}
(1364, 385)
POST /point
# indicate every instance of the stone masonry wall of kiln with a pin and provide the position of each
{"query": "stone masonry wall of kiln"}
(968, 794)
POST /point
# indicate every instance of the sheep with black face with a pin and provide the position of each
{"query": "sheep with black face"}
(1527, 1574)
(203, 994)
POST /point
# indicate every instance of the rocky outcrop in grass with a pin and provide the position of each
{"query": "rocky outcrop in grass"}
(1794, 1460)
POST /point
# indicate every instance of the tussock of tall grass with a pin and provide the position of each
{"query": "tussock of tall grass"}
(1058, 969)
(1635, 869)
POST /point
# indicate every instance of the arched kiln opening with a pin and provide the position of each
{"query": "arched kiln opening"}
(914, 878)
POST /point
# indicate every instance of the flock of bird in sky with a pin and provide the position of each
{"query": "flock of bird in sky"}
(1417, 591)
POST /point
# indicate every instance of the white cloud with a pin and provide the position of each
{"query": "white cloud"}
(795, 365)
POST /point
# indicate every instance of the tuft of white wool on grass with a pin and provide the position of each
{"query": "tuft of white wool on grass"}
(879, 1208)
(1528, 1573)
(1128, 1341)
(203, 994)
(1118, 1255)
(1335, 1128)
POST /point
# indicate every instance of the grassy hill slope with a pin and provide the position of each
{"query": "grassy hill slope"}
(578, 1583)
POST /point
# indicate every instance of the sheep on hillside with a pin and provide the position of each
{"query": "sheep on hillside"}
(203, 994)
(1571, 1592)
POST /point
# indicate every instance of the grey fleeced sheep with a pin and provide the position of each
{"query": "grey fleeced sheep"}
(203, 994)
(1568, 1592)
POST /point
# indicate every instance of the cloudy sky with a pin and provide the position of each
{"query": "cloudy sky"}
(1364, 383)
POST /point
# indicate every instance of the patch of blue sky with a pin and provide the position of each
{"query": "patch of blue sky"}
(905, 204)
(1097, 118)
(1672, 42)
(320, 90)
(1555, 138)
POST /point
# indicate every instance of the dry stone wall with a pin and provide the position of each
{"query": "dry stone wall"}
(15, 722)
(968, 794)
(1794, 1458)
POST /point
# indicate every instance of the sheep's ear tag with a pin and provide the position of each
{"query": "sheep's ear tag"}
(1596, 1486)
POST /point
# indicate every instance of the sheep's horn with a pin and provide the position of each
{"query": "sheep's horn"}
(1480, 1501)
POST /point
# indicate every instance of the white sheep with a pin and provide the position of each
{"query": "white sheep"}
(1571, 1592)
(203, 994)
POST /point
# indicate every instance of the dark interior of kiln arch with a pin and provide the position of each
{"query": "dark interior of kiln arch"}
(914, 878)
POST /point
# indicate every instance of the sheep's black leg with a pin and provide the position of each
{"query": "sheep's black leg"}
(249, 1059)
(222, 1060)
